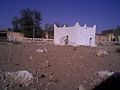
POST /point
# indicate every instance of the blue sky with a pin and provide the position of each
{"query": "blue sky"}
(104, 13)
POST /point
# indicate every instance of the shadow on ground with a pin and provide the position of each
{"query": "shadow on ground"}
(118, 50)
(111, 83)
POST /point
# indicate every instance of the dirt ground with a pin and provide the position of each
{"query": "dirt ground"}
(61, 68)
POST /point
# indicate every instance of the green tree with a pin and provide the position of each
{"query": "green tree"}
(15, 24)
(50, 29)
(28, 23)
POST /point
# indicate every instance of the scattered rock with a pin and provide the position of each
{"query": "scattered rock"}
(105, 74)
(52, 78)
(91, 78)
(30, 57)
(42, 84)
(85, 81)
(48, 84)
(81, 88)
(101, 53)
(41, 50)
(47, 64)
(2, 76)
(20, 77)
(97, 81)
(55, 80)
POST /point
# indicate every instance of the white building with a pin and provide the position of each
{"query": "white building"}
(75, 35)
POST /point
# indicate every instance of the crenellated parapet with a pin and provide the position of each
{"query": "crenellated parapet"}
(77, 25)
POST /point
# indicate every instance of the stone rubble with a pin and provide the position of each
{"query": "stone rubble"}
(47, 64)
(81, 87)
(101, 53)
(30, 57)
(41, 50)
(52, 77)
(105, 74)
(20, 77)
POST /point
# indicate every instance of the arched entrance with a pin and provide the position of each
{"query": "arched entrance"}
(66, 40)
(90, 42)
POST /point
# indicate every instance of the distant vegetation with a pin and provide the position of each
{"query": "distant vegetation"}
(117, 32)
(29, 23)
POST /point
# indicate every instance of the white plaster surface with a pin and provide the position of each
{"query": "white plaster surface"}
(77, 35)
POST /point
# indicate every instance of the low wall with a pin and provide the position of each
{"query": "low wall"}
(34, 40)
(37, 40)
(15, 36)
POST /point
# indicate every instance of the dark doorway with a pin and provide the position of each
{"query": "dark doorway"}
(90, 41)
(66, 40)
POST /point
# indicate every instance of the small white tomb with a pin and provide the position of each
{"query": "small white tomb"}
(75, 35)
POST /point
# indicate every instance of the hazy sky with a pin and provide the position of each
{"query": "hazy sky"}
(104, 13)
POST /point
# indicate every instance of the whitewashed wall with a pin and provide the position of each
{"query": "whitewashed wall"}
(77, 35)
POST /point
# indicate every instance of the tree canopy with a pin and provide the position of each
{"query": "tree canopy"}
(28, 23)
(117, 31)
(49, 28)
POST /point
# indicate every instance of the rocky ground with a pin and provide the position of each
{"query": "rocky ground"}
(58, 67)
